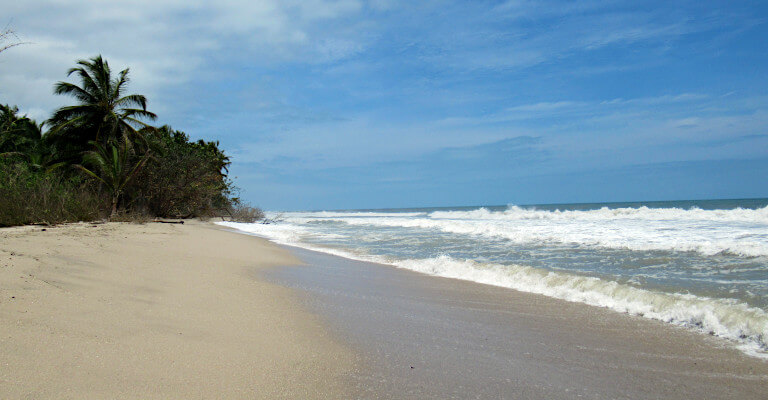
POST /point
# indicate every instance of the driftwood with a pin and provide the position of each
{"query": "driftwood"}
(169, 222)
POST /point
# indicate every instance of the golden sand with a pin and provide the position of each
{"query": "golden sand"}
(155, 311)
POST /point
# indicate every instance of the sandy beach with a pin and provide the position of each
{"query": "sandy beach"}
(192, 311)
(421, 336)
(155, 311)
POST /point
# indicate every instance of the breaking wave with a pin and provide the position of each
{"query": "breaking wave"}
(739, 231)
(723, 317)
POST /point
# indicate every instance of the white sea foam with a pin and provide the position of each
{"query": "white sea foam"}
(727, 318)
(349, 214)
(747, 215)
(738, 231)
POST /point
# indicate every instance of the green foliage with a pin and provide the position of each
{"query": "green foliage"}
(21, 138)
(114, 165)
(183, 178)
(104, 112)
(39, 197)
(18, 134)
(99, 154)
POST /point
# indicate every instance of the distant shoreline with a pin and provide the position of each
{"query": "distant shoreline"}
(758, 201)
(700, 266)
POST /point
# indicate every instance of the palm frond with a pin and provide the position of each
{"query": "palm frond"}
(87, 81)
(120, 82)
(103, 110)
(90, 173)
(73, 90)
(132, 100)
(135, 112)
(136, 122)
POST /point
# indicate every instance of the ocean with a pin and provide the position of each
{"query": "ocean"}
(700, 264)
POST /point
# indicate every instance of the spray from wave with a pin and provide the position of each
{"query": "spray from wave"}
(734, 241)
(738, 231)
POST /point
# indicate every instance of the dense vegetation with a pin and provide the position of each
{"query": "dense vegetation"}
(101, 158)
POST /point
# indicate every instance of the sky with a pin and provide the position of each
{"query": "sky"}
(350, 104)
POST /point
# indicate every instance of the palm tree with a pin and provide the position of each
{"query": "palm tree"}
(104, 111)
(114, 164)
(22, 138)
(16, 132)
(19, 135)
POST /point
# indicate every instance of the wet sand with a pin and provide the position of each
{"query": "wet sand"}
(190, 311)
(421, 336)
(156, 311)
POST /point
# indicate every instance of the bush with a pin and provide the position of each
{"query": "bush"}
(246, 213)
(99, 154)
(135, 216)
(37, 197)
(182, 179)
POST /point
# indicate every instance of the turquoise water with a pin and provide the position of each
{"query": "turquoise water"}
(702, 264)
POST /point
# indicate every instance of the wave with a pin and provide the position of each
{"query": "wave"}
(727, 318)
(350, 214)
(747, 215)
(741, 232)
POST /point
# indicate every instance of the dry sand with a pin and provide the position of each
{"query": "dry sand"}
(187, 311)
(155, 311)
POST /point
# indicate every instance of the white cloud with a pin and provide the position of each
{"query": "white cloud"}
(165, 43)
(176, 42)
(545, 106)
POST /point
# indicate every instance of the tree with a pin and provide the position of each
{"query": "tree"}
(21, 138)
(18, 133)
(8, 39)
(183, 178)
(104, 113)
(114, 164)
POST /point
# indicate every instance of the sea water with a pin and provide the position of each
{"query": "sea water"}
(699, 264)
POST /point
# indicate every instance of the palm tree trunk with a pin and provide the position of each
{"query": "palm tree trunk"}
(114, 207)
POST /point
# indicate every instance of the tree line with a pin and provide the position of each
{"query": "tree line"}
(101, 158)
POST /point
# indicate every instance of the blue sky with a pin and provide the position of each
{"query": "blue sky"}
(369, 104)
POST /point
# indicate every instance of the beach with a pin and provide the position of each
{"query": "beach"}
(346, 199)
(193, 311)
(427, 337)
(697, 264)
(155, 311)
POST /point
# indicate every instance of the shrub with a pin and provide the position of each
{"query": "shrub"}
(182, 179)
(37, 197)
(245, 213)
(98, 156)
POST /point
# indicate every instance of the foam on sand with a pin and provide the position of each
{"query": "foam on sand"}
(728, 318)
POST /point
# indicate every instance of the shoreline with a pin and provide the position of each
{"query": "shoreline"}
(595, 298)
(423, 336)
(202, 311)
(156, 311)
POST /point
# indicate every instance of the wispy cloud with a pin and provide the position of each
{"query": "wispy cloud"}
(165, 43)
(291, 87)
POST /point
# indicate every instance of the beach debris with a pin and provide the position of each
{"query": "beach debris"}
(277, 218)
